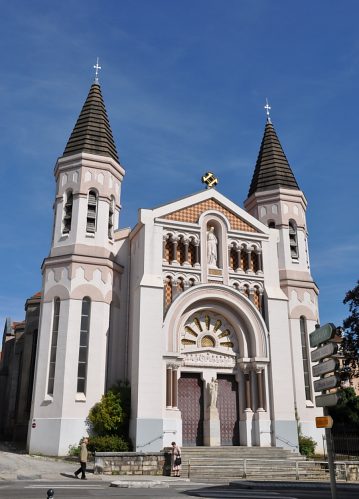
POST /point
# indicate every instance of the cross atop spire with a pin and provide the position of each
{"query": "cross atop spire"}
(267, 108)
(96, 68)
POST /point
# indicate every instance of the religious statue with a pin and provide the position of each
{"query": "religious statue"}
(211, 248)
(213, 393)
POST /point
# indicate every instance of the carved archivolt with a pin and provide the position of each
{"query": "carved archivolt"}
(210, 331)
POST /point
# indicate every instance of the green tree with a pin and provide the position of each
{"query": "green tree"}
(350, 343)
(346, 412)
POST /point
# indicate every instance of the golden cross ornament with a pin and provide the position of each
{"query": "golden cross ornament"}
(209, 179)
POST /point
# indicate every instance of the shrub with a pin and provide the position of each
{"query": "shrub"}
(307, 446)
(108, 443)
(74, 450)
(111, 415)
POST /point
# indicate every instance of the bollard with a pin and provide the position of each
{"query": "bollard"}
(50, 493)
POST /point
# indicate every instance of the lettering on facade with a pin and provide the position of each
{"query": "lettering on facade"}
(209, 359)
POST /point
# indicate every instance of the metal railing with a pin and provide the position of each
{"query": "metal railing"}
(278, 468)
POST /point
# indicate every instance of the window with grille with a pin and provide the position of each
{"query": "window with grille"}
(83, 348)
(111, 212)
(305, 358)
(91, 212)
(53, 347)
(67, 213)
(293, 239)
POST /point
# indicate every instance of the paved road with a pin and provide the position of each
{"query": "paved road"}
(76, 490)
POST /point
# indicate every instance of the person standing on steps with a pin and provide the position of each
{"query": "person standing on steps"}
(176, 459)
(83, 460)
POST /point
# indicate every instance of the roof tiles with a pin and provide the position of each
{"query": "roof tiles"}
(272, 168)
(92, 132)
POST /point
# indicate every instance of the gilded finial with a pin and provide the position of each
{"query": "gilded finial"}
(209, 179)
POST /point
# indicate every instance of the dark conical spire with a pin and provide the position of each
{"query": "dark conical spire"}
(272, 168)
(92, 132)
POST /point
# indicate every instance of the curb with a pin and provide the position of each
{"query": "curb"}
(247, 484)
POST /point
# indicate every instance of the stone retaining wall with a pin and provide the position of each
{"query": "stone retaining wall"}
(132, 463)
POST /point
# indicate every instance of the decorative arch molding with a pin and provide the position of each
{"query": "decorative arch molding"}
(248, 325)
(57, 291)
(210, 215)
(302, 310)
(88, 290)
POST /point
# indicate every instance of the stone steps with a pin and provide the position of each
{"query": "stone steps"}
(255, 463)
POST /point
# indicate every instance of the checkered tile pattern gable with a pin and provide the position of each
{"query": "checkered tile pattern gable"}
(192, 213)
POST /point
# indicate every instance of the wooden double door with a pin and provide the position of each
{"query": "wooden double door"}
(191, 405)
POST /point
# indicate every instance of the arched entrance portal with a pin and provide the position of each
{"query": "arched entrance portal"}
(217, 351)
(209, 399)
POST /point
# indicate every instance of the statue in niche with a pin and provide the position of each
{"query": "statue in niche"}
(213, 393)
(211, 248)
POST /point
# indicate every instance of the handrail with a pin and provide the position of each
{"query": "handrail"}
(294, 466)
(285, 441)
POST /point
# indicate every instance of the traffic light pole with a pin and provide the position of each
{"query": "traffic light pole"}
(330, 452)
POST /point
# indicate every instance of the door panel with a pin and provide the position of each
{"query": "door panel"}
(228, 409)
(190, 403)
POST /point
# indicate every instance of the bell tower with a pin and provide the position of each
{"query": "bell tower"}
(81, 282)
(276, 200)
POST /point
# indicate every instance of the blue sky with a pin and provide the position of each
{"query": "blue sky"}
(184, 84)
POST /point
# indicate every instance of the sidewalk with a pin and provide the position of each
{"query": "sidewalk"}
(15, 465)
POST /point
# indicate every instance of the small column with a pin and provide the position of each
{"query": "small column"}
(262, 424)
(247, 414)
(186, 244)
(238, 250)
(174, 249)
(196, 253)
(260, 388)
(174, 387)
(249, 260)
(229, 257)
(259, 261)
(164, 249)
(251, 295)
(248, 395)
(169, 386)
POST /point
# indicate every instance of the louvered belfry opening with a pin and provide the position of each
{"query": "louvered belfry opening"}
(272, 168)
(92, 132)
(91, 212)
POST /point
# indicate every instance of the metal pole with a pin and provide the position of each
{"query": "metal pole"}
(330, 452)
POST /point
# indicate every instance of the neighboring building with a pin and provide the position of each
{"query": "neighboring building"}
(204, 306)
(17, 367)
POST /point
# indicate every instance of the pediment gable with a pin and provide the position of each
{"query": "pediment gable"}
(191, 214)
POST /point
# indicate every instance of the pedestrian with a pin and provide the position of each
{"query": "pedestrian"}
(83, 460)
(176, 459)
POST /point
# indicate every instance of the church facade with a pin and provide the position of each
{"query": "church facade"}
(204, 306)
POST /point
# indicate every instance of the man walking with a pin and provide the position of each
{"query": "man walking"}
(83, 460)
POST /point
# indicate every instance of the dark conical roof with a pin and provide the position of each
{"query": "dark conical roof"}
(92, 132)
(272, 168)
